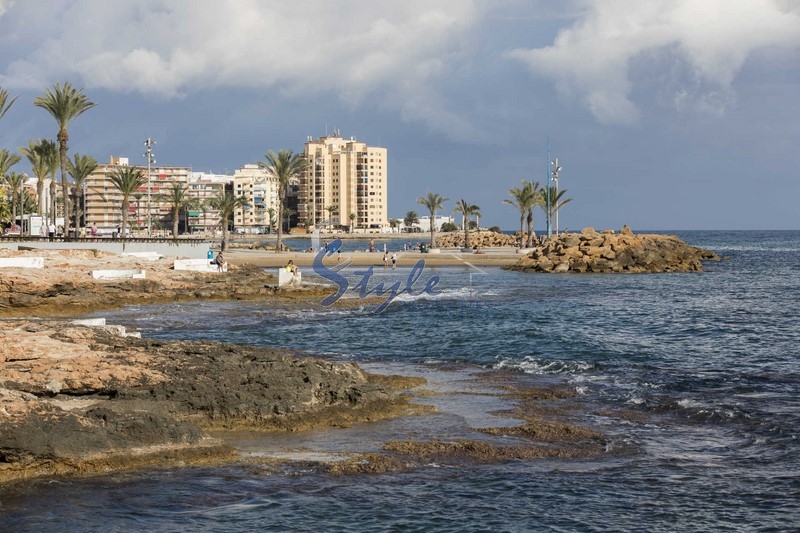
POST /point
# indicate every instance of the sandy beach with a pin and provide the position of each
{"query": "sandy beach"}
(445, 258)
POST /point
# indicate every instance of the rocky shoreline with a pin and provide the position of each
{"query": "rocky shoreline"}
(83, 398)
(610, 252)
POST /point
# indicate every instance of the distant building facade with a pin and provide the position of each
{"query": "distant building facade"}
(260, 189)
(345, 185)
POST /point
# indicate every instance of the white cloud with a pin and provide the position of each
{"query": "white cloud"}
(593, 58)
(384, 51)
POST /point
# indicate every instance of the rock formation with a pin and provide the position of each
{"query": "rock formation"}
(481, 239)
(82, 399)
(607, 251)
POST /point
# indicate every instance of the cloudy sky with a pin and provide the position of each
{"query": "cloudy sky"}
(664, 114)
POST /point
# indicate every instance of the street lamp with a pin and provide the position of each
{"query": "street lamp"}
(150, 160)
(556, 170)
(24, 180)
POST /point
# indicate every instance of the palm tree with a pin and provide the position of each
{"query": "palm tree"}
(433, 202)
(271, 218)
(127, 180)
(331, 209)
(5, 104)
(79, 168)
(556, 201)
(288, 214)
(226, 203)
(352, 217)
(524, 198)
(394, 222)
(16, 183)
(410, 219)
(43, 157)
(64, 103)
(7, 160)
(284, 167)
(138, 197)
(467, 210)
(177, 197)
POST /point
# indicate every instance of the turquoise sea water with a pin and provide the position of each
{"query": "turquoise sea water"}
(709, 362)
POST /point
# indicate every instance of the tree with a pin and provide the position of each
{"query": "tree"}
(5, 103)
(556, 202)
(284, 167)
(394, 222)
(64, 103)
(177, 197)
(525, 198)
(15, 183)
(467, 210)
(432, 202)
(352, 217)
(448, 227)
(43, 157)
(8, 160)
(288, 212)
(127, 180)
(271, 218)
(332, 210)
(410, 219)
(226, 203)
(80, 168)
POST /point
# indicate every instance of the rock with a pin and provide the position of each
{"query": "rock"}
(85, 393)
(609, 252)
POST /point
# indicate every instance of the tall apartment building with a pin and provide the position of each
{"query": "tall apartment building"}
(346, 183)
(204, 186)
(260, 189)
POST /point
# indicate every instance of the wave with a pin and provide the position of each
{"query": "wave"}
(531, 365)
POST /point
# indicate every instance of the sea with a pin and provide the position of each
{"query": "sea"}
(706, 366)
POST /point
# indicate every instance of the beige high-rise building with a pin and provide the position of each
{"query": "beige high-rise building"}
(346, 185)
(260, 189)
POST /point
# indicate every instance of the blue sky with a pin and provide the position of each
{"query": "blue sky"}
(679, 114)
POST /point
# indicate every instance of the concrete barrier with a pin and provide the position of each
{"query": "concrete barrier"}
(22, 262)
(149, 256)
(198, 265)
(118, 274)
(287, 278)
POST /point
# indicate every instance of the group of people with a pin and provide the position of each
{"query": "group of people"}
(386, 260)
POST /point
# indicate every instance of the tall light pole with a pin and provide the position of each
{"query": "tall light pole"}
(556, 170)
(150, 160)
(547, 193)
(22, 206)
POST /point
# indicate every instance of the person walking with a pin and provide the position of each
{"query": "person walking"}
(394, 260)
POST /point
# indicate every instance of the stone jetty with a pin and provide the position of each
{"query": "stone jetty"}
(608, 251)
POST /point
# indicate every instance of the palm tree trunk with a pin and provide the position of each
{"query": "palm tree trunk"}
(53, 194)
(40, 193)
(521, 228)
(175, 214)
(433, 228)
(466, 232)
(280, 223)
(63, 137)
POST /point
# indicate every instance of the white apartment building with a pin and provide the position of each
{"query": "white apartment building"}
(346, 185)
(260, 189)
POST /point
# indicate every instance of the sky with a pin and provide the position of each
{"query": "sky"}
(664, 114)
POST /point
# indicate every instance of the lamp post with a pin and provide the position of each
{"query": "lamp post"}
(547, 192)
(22, 206)
(150, 160)
(556, 170)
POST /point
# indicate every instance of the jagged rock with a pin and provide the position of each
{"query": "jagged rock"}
(591, 251)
